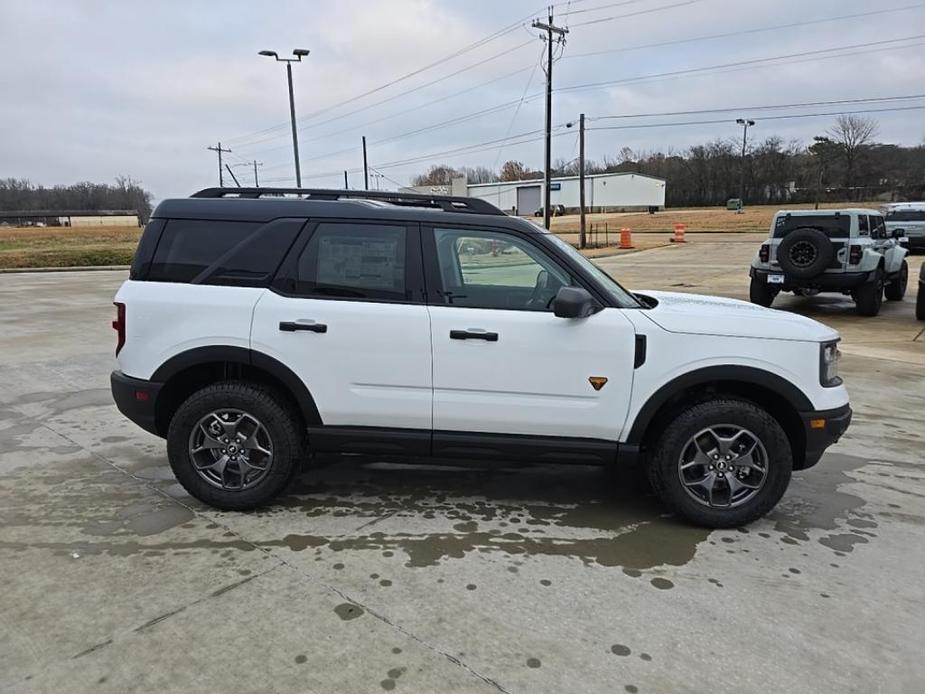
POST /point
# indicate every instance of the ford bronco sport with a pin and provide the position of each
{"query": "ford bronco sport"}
(260, 326)
(847, 251)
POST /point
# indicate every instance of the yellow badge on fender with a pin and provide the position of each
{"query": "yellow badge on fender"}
(597, 382)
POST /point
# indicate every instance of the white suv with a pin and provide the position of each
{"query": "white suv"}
(848, 251)
(260, 326)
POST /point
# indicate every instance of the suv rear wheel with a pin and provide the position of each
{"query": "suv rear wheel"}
(760, 293)
(896, 289)
(722, 463)
(234, 445)
(869, 297)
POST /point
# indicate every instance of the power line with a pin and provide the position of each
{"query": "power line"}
(675, 73)
(764, 118)
(393, 97)
(462, 51)
(743, 32)
(760, 108)
(635, 14)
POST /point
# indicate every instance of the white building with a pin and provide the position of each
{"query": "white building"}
(602, 191)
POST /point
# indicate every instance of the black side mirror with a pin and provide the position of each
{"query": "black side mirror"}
(573, 302)
(898, 233)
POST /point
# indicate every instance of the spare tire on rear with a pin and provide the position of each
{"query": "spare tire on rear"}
(805, 253)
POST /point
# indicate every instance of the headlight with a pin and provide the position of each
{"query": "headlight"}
(828, 364)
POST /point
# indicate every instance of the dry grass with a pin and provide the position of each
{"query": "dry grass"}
(24, 247)
(756, 218)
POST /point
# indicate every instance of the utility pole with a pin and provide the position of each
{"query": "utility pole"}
(365, 166)
(219, 150)
(560, 32)
(346, 185)
(299, 53)
(581, 179)
(255, 164)
(745, 125)
(233, 177)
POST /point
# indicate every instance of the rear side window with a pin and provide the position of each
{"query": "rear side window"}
(905, 216)
(354, 261)
(187, 247)
(833, 226)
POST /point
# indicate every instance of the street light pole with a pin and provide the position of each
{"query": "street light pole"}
(745, 123)
(299, 53)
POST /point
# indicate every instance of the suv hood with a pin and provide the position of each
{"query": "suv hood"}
(712, 315)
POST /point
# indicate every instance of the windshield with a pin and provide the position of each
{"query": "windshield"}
(623, 298)
(905, 216)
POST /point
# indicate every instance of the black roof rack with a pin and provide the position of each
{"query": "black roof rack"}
(447, 203)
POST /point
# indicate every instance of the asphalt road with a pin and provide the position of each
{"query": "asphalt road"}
(380, 577)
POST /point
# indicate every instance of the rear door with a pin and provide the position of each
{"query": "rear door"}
(347, 314)
(503, 362)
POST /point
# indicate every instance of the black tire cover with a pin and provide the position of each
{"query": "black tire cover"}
(805, 253)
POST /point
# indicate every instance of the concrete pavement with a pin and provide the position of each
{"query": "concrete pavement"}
(381, 577)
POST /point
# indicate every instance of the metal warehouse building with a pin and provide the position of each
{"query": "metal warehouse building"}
(602, 192)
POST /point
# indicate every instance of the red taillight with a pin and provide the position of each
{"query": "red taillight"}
(764, 253)
(854, 255)
(119, 326)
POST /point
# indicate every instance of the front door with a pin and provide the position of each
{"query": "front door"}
(503, 362)
(347, 315)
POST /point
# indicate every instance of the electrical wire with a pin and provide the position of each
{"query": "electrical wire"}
(601, 20)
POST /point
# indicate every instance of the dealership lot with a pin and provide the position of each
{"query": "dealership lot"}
(379, 577)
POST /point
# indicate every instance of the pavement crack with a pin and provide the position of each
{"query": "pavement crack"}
(376, 520)
(93, 648)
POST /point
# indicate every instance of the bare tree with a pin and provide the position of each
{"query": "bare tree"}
(852, 134)
(437, 175)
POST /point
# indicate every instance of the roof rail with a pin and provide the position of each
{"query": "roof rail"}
(447, 203)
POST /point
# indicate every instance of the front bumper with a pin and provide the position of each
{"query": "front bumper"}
(822, 429)
(136, 399)
(825, 282)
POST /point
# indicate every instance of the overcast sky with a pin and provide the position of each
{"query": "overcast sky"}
(93, 89)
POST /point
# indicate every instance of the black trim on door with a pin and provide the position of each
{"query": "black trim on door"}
(461, 445)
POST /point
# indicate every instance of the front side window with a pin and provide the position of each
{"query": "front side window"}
(354, 261)
(490, 269)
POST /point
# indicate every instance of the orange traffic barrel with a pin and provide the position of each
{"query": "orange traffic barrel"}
(679, 230)
(626, 238)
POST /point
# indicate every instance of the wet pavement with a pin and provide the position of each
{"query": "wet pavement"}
(372, 577)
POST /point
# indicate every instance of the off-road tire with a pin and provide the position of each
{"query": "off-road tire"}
(666, 453)
(801, 239)
(869, 296)
(761, 294)
(896, 289)
(282, 425)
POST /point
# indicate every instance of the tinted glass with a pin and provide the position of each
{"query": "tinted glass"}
(877, 227)
(488, 269)
(623, 298)
(833, 226)
(188, 247)
(359, 261)
(905, 216)
(254, 261)
(863, 228)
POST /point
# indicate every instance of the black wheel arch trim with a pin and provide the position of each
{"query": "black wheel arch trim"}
(247, 357)
(714, 374)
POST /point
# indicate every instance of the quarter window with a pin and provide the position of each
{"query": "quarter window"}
(488, 269)
(188, 247)
(863, 228)
(354, 261)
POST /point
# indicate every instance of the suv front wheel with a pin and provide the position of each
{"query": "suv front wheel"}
(722, 463)
(234, 445)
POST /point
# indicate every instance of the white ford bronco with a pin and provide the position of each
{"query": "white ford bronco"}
(261, 326)
(848, 251)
